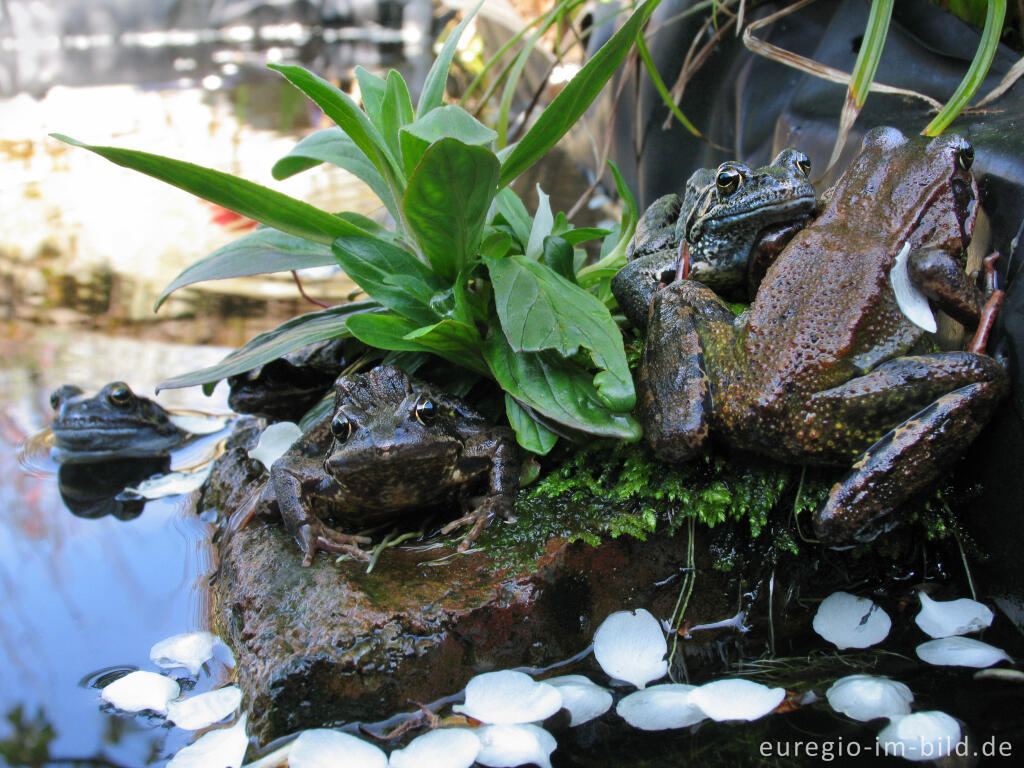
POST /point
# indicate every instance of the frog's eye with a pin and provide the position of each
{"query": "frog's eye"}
(119, 395)
(965, 157)
(425, 411)
(728, 181)
(341, 427)
(55, 399)
(803, 162)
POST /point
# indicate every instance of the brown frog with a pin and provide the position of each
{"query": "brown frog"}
(394, 447)
(824, 368)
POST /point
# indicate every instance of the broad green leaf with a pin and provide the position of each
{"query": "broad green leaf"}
(532, 436)
(371, 91)
(557, 389)
(432, 94)
(270, 345)
(259, 252)
(510, 207)
(267, 206)
(330, 145)
(569, 105)
(447, 122)
(339, 106)
(453, 341)
(446, 202)
(541, 310)
(543, 221)
(583, 234)
(559, 257)
(391, 275)
(395, 112)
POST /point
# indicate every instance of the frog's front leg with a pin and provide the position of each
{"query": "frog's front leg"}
(673, 387)
(497, 449)
(940, 277)
(914, 453)
(636, 283)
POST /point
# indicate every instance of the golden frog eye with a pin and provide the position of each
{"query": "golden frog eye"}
(425, 411)
(803, 162)
(119, 395)
(341, 427)
(965, 157)
(728, 180)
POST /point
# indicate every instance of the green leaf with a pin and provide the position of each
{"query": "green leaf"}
(396, 111)
(330, 145)
(583, 234)
(511, 208)
(294, 334)
(558, 256)
(339, 106)
(541, 310)
(447, 122)
(391, 275)
(432, 94)
(543, 221)
(262, 204)
(557, 389)
(661, 88)
(569, 105)
(446, 202)
(371, 91)
(259, 252)
(449, 339)
(532, 436)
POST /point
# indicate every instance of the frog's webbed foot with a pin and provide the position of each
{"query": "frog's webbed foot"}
(313, 536)
(485, 511)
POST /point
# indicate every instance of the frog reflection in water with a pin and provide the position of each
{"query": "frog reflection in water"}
(733, 220)
(824, 368)
(394, 447)
(113, 424)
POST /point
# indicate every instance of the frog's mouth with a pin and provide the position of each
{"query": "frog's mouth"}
(81, 435)
(771, 212)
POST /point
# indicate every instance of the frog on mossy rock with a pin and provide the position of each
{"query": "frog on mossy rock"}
(394, 447)
(825, 368)
(732, 220)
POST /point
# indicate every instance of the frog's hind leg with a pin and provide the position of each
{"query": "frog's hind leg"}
(914, 453)
(673, 387)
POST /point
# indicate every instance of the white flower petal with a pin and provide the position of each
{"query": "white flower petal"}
(920, 736)
(631, 646)
(584, 699)
(507, 697)
(952, 617)
(223, 748)
(172, 484)
(204, 709)
(912, 303)
(274, 441)
(660, 707)
(442, 748)
(137, 691)
(848, 621)
(865, 697)
(736, 699)
(197, 423)
(325, 748)
(190, 650)
(503, 746)
(960, 652)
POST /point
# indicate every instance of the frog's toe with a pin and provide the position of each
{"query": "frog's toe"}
(313, 538)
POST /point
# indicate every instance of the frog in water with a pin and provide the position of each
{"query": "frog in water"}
(114, 423)
(393, 447)
(824, 368)
(731, 220)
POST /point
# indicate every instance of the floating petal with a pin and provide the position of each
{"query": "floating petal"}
(172, 484)
(865, 697)
(960, 652)
(848, 621)
(138, 691)
(274, 441)
(443, 748)
(584, 699)
(190, 650)
(736, 699)
(507, 697)
(223, 748)
(205, 709)
(631, 646)
(912, 303)
(660, 707)
(921, 736)
(503, 746)
(952, 617)
(325, 748)
(197, 423)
